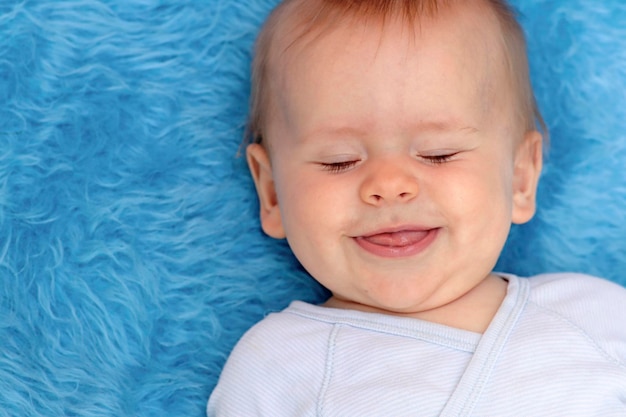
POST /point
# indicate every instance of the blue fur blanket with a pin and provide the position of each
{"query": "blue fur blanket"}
(131, 258)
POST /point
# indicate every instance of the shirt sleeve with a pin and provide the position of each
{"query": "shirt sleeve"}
(594, 305)
(260, 377)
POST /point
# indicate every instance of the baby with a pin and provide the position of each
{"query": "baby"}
(396, 143)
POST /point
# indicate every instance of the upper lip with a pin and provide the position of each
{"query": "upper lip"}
(396, 229)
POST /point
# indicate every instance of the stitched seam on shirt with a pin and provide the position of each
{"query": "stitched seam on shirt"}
(449, 342)
(328, 369)
(582, 332)
(495, 351)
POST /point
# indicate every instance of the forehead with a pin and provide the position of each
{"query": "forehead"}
(361, 57)
(304, 24)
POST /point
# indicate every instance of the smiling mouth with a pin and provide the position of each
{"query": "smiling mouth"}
(395, 244)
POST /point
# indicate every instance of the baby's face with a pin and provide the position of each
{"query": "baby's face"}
(393, 161)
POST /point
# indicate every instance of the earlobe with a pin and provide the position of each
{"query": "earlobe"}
(527, 170)
(261, 171)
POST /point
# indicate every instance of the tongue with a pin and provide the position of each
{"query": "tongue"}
(403, 238)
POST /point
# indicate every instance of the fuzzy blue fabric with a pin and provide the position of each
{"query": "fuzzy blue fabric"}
(131, 258)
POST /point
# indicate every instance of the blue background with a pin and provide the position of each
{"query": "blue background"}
(131, 258)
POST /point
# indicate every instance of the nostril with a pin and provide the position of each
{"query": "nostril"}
(375, 198)
(389, 187)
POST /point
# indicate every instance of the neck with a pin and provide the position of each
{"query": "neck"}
(473, 311)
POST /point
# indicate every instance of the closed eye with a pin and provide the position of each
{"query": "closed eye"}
(439, 159)
(336, 167)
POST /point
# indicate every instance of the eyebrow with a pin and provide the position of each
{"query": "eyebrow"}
(449, 125)
(439, 126)
(336, 131)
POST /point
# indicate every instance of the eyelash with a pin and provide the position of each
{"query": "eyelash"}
(336, 167)
(439, 159)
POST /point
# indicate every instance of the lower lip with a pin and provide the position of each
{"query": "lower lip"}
(398, 251)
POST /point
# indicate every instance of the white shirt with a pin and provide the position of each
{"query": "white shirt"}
(556, 347)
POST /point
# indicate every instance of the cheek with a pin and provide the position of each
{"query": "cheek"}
(497, 207)
(480, 197)
(312, 213)
(304, 201)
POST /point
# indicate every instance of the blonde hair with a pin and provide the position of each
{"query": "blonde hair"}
(304, 16)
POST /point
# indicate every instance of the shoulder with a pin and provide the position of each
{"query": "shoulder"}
(299, 329)
(261, 369)
(280, 339)
(592, 306)
(576, 291)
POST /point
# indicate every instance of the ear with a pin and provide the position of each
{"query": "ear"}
(261, 170)
(528, 164)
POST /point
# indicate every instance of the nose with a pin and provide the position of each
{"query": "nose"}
(389, 182)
